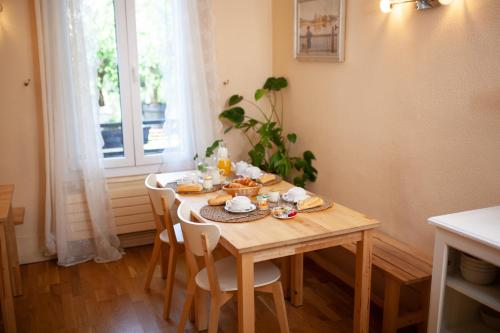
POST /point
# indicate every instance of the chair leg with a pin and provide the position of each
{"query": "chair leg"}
(188, 277)
(279, 303)
(391, 305)
(165, 255)
(213, 323)
(172, 261)
(152, 262)
(190, 292)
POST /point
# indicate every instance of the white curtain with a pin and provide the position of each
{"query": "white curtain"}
(79, 221)
(192, 91)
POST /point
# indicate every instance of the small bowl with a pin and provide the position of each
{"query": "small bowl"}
(283, 212)
(478, 277)
(490, 317)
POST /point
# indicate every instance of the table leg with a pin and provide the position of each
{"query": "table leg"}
(297, 279)
(439, 269)
(363, 283)
(246, 302)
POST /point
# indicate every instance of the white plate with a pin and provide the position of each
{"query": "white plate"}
(285, 197)
(248, 210)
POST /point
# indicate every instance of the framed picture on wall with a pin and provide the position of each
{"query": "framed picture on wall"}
(320, 30)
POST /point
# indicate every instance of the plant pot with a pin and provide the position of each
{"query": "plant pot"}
(145, 134)
(153, 111)
(113, 138)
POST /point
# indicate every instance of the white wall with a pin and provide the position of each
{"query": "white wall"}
(20, 119)
(409, 126)
(244, 54)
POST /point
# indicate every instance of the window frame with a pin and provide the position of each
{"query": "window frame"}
(130, 99)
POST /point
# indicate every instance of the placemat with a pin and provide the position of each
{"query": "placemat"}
(219, 214)
(326, 204)
(173, 185)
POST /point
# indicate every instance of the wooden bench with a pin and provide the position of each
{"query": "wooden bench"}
(401, 265)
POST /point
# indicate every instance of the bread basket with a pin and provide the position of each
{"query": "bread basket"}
(245, 191)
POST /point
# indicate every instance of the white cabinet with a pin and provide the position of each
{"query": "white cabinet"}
(455, 302)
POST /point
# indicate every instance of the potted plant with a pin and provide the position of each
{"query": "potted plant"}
(270, 146)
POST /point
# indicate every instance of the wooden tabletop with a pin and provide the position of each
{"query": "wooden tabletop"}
(269, 232)
(6, 193)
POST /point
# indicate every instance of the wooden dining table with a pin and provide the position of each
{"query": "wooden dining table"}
(271, 238)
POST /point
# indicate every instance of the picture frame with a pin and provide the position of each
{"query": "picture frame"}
(319, 30)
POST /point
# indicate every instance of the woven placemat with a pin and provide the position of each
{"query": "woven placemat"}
(326, 204)
(219, 214)
(173, 185)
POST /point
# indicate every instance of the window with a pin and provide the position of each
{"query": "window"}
(133, 80)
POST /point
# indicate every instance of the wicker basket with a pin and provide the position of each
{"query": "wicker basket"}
(245, 191)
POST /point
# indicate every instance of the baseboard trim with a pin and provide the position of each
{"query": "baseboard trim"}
(139, 238)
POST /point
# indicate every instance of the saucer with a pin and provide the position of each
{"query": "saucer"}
(247, 210)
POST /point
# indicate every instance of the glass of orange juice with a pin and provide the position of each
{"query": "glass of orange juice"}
(223, 161)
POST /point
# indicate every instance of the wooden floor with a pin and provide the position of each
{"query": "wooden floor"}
(110, 298)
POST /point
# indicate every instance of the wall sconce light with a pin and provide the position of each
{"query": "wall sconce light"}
(386, 6)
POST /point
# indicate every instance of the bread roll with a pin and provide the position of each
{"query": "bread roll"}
(219, 200)
(184, 188)
(308, 203)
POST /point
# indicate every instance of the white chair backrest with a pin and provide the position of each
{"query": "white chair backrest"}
(192, 232)
(156, 193)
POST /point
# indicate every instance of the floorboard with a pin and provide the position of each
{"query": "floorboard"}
(93, 297)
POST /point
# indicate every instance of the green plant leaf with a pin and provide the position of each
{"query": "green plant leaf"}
(259, 93)
(195, 157)
(236, 115)
(257, 154)
(211, 149)
(275, 84)
(299, 181)
(292, 137)
(309, 156)
(235, 99)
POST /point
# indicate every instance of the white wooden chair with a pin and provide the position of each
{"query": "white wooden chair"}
(167, 233)
(220, 277)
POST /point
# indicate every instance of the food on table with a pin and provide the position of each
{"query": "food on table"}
(308, 203)
(219, 200)
(263, 202)
(248, 182)
(284, 212)
(235, 185)
(189, 188)
(223, 161)
(266, 178)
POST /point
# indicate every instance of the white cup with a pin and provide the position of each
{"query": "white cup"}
(239, 203)
(253, 172)
(240, 167)
(295, 194)
(274, 196)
